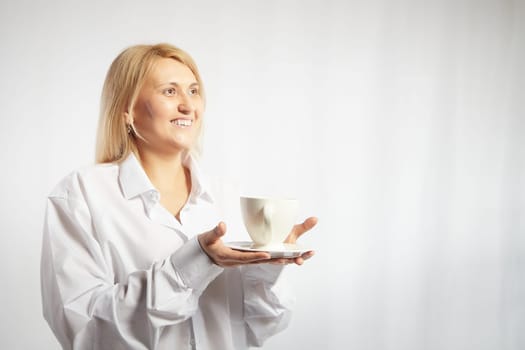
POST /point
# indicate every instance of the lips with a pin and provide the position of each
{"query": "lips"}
(182, 122)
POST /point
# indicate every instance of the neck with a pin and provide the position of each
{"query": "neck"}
(165, 171)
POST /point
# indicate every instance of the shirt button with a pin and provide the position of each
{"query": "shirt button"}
(154, 195)
(192, 342)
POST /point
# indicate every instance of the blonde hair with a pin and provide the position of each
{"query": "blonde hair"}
(124, 80)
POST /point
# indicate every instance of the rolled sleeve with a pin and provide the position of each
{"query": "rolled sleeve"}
(194, 266)
(268, 301)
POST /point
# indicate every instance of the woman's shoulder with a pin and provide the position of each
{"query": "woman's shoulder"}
(83, 178)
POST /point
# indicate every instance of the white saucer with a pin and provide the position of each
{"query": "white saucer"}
(284, 250)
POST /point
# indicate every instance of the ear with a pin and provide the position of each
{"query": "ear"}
(128, 118)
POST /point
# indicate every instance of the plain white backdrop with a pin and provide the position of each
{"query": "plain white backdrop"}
(399, 123)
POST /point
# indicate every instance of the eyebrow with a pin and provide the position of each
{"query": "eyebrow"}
(177, 84)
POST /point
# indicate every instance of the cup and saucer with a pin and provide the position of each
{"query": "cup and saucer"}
(268, 222)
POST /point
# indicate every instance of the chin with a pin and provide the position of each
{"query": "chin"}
(183, 146)
(184, 142)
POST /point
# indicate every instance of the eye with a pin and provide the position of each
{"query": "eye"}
(194, 91)
(169, 91)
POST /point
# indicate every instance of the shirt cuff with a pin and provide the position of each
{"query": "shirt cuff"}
(266, 272)
(195, 267)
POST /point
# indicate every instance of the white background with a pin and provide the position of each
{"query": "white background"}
(398, 123)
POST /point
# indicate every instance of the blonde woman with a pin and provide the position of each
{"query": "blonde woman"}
(132, 255)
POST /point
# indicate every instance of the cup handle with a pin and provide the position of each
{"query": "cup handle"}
(267, 214)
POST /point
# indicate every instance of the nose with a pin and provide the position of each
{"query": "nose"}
(185, 106)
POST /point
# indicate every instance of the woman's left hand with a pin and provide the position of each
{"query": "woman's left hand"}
(297, 231)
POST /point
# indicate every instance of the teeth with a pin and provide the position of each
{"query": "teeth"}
(182, 122)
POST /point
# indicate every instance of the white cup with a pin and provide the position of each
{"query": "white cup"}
(269, 220)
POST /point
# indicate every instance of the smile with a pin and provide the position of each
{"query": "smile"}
(182, 122)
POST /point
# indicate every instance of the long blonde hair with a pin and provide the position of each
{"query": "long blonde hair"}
(123, 82)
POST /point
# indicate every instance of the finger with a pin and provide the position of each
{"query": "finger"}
(283, 261)
(216, 234)
(308, 255)
(234, 256)
(280, 261)
(220, 230)
(299, 260)
(307, 225)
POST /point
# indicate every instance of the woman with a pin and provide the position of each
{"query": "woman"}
(123, 265)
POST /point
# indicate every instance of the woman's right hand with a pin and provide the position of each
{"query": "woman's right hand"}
(224, 256)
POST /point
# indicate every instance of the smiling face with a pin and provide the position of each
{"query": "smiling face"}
(167, 114)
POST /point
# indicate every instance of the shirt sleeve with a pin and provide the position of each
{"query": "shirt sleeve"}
(83, 304)
(268, 301)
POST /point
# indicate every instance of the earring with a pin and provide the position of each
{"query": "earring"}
(129, 129)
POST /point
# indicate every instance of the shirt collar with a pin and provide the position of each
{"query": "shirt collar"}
(200, 188)
(132, 177)
(134, 181)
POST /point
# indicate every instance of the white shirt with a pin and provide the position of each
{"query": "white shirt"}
(118, 270)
